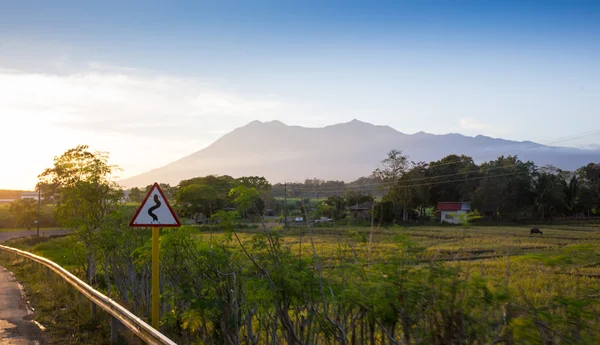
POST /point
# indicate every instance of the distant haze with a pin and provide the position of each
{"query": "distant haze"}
(345, 151)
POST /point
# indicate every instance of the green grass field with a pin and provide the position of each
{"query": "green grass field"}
(538, 270)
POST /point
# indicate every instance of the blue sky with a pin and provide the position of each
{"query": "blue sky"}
(126, 75)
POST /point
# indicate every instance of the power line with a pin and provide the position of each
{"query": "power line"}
(383, 184)
(458, 180)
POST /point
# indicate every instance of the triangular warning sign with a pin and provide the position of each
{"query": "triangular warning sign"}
(155, 211)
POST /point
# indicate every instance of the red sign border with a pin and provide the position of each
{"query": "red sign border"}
(155, 185)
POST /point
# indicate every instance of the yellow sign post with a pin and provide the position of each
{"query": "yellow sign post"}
(155, 212)
(155, 277)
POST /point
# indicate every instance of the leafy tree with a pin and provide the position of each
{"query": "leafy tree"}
(169, 191)
(589, 177)
(258, 182)
(415, 189)
(570, 186)
(549, 193)
(392, 167)
(24, 211)
(390, 171)
(87, 195)
(197, 199)
(355, 198)
(451, 168)
(324, 210)
(383, 212)
(338, 204)
(247, 200)
(135, 194)
(204, 195)
(506, 187)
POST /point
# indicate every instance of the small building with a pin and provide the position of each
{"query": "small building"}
(361, 211)
(450, 211)
(29, 195)
(6, 201)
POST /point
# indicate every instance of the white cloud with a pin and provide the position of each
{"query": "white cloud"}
(116, 110)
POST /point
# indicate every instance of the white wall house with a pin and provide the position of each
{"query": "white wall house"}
(450, 211)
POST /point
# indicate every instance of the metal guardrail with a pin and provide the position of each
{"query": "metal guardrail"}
(118, 312)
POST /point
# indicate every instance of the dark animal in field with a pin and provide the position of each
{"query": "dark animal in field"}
(535, 231)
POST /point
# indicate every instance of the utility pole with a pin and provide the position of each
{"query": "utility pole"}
(285, 206)
(39, 201)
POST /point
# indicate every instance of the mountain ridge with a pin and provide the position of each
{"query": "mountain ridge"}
(343, 151)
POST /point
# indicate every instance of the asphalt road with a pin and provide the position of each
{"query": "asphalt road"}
(5, 236)
(16, 318)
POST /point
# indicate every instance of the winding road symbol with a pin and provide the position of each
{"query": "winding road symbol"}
(154, 211)
(151, 209)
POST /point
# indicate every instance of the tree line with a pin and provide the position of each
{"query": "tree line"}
(504, 188)
(399, 190)
(234, 288)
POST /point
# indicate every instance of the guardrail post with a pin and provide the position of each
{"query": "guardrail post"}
(114, 330)
(93, 311)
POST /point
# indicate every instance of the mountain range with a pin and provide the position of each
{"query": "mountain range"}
(344, 151)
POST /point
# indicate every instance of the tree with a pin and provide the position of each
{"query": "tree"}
(258, 182)
(135, 194)
(324, 210)
(589, 176)
(204, 195)
(570, 186)
(24, 212)
(165, 187)
(451, 168)
(197, 199)
(506, 187)
(392, 167)
(390, 171)
(338, 205)
(247, 200)
(415, 189)
(549, 192)
(355, 198)
(86, 195)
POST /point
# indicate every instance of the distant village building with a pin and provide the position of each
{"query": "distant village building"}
(450, 211)
(361, 211)
(125, 196)
(30, 195)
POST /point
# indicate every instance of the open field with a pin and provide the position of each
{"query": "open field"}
(453, 243)
(551, 280)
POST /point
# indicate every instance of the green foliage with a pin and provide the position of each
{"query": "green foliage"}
(135, 194)
(24, 211)
(466, 219)
(413, 285)
(87, 195)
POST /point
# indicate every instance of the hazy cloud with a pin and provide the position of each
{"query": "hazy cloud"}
(145, 120)
(119, 100)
